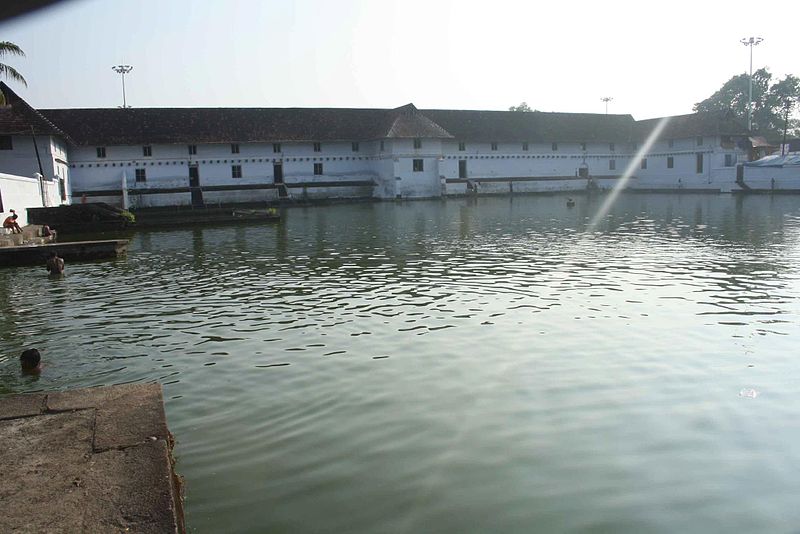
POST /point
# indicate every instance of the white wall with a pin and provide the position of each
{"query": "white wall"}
(168, 167)
(537, 169)
(20, 193)
(773, 178)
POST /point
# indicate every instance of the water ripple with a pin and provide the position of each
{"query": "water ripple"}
(465, 365)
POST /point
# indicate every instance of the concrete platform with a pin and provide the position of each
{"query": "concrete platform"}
(88, 460)
(74, 251)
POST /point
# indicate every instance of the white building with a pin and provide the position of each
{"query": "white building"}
(34, 168)
(199, 156)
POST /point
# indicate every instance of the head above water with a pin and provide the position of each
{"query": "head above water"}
(30, 360)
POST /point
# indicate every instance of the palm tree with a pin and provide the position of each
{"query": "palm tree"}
(7, 48)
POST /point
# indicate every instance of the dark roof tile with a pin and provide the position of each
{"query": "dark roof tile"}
(17, 117)
(693, 124)
(536, 126)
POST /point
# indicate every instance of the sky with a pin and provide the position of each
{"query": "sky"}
(653, 58)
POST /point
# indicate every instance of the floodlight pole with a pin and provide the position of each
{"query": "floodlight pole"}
(751, 42)
(123, 70)
(607, 99)
(788, 106)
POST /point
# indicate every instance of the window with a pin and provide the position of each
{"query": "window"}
(555, 147)
(612, 147)
(276, 148)
(383, 147)
(583, 147)
(192, 150)
(317, 147)
(355, 147)
(418, 165)
(612, 164)
(141, 175)
(462, 147)
(699, 140)
(417, 143)
(494, 145)
(147, 151)
(234, 148)
(671, 143)
(5, 144)
(643, 164)
(699, 159)
(670, 162)
(525, 147)
(236, 171)
(462, 168)
(729, 161)
(318, 169)
(101, 152)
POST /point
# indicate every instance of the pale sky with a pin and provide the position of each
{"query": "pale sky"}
(653, 58)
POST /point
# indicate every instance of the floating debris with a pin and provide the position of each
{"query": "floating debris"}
(749, 393)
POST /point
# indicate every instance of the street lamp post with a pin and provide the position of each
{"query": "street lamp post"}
(123, 70)
(607, 99)
(751, 42)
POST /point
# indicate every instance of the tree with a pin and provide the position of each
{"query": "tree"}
(7, 71)
(769, 100)
(523, 106)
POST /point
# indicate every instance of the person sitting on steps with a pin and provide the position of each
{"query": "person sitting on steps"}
(11, 222)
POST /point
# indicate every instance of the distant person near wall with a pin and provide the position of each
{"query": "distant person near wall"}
(48, 232)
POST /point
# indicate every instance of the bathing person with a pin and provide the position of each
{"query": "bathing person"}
(11, 222)
(55, 265)
(31, 361)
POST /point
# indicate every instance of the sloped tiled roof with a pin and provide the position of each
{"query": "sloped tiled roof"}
(17, 117)
(693, 124)
(217, 125)
(131, 126)
(134, 126)
(409, 123)
(536, 126)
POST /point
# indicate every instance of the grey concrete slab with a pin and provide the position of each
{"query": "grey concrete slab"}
(77, 399)
(15, 406)
(43, 461)
(136, 417)
(131, 491)
(127, 414)
(55, 478)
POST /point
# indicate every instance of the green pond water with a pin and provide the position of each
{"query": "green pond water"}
(489, 365)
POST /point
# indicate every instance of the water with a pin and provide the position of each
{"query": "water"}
(459, 366)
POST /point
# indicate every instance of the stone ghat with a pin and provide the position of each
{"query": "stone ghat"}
(88, 460)
(71, 252)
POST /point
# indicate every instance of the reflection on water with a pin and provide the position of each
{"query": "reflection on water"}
(470, 365)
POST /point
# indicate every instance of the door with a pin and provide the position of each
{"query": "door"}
(277, 172)
(194, 186)
(462, 168)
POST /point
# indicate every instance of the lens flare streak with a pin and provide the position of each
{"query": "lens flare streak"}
(626, 176)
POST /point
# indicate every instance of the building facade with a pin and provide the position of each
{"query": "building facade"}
(154, 157)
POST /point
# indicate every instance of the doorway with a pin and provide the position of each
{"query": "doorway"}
(277, 172)
(194, 186)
